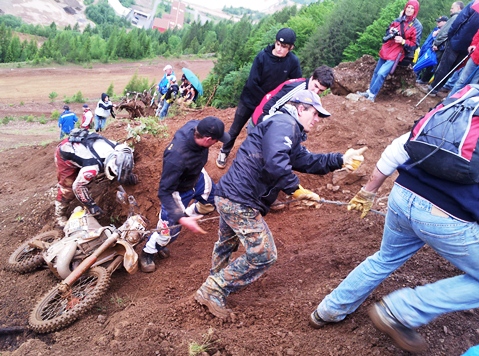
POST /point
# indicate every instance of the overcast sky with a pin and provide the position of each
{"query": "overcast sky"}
(249, 4)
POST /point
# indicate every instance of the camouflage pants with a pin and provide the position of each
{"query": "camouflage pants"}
(239, 223)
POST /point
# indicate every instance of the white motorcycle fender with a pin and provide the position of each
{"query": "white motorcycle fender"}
(130, 258)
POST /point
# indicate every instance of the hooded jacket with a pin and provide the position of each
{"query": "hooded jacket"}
(103, 108)
(412, 30)
(266, 160)
(464, 28)
(267, 72)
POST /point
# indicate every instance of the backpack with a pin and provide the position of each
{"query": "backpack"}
(444, 142)
(83, 136)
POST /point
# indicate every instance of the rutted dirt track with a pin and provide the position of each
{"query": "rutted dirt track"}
(155, 314)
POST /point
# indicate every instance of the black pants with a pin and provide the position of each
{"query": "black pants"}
(449, 60)
(242, 115)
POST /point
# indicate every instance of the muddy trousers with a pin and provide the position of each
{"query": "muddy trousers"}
(239, 224)
(169, 228)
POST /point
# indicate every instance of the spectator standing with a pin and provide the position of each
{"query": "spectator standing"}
(441, 37)
(402, 36)
(66, 121)
(103, 110)
(272, 66)
(425, 75)
(459, 38)
(422, 209)
(87, 118)
(164, 84)
(169, 96)
(469, 73)
(262, 168)
(321, 79)
(184, 179)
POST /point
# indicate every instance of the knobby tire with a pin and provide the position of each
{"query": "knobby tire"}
(53, 312)
(27, 258)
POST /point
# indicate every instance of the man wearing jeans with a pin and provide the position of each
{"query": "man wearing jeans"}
(422, 209)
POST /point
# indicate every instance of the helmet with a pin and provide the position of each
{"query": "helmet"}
(119, 164)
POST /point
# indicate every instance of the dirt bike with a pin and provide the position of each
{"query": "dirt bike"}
(84, 259)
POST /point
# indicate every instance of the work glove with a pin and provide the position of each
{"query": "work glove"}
(305, 194)
(352, 159)
(94, 210)
(363, 201)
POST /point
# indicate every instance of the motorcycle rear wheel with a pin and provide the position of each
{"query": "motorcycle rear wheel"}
(27, 258)
(55, 311)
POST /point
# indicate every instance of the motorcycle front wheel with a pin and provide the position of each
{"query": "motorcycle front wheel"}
(28, 257)
(55, 311)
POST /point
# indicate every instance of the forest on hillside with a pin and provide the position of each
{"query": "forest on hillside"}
(328, 32)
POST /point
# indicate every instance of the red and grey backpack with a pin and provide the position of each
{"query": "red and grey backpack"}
(444, 142)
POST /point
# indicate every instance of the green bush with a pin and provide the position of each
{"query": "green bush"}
(55, 115)
(138, 84)
(53, 95)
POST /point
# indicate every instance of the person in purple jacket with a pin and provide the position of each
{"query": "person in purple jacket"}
(272, 66)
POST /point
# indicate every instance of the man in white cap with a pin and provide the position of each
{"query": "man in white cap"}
(262, 168)
(163, 85)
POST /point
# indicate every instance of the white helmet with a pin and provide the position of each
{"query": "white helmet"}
(119, 164)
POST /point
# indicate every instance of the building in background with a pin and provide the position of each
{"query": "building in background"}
(174, 19)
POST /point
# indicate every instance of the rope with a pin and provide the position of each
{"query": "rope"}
(275, 204)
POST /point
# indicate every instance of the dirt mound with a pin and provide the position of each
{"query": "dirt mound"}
(155, 314)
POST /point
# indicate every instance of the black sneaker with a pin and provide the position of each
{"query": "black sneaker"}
(147, 262)
(316, 322)
(406, 338)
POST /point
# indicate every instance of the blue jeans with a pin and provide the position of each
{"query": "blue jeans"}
(100, 123)
(383, 67)
(164, 109)
(468, 75)
(409, 225)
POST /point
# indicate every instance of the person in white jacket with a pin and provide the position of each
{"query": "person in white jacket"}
(103, 110)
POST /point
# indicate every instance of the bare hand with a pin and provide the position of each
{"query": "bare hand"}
(191, 223)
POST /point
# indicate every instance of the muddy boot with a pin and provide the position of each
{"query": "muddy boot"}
(215, 303)
(147, 262)
(163, 253)
(60, 214)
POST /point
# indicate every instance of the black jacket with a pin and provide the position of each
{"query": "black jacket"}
(267, 72)
(265, 162)
(183, 161)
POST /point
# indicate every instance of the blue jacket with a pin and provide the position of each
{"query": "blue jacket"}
(163, 84)
(267, 72)
(464, 28)
(66, 121)
(266, 160)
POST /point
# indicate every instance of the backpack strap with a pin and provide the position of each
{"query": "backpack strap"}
(90, 140)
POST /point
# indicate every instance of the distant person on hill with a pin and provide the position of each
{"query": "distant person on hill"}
(87, 118)
(164, 84)
(66, 121)
(187, 90)
(402, 38)
(169, 96)
(103, 110)
(272, 66)
(321, 79)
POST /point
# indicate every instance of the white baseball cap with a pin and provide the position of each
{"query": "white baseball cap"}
(167, 67)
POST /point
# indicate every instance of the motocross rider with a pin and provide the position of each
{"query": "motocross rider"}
(78, 163)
